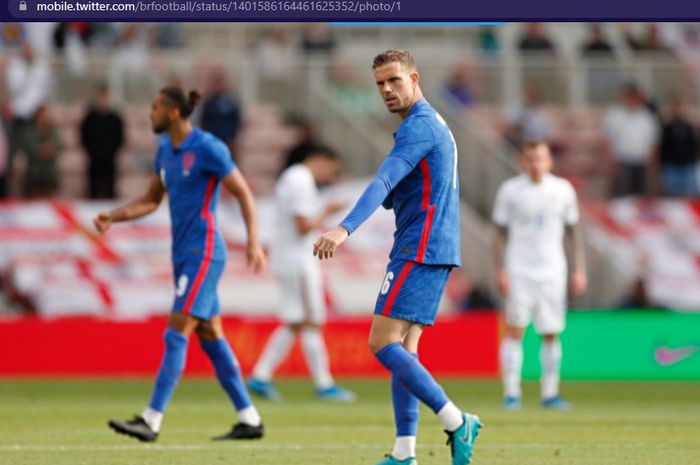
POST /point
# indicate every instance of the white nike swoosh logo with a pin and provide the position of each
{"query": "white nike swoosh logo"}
(665, 356)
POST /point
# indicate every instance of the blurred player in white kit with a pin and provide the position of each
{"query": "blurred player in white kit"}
(536, 216)
(302, 308)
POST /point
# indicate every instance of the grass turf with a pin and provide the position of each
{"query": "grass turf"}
(64, 422)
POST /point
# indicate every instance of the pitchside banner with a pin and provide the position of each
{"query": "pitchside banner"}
(343, 10)
(620, 345)
(625, 345)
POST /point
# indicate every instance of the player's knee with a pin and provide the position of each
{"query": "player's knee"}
(549, 338)
(376, 344)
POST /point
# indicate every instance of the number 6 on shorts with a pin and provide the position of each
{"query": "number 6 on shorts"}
(387, 282)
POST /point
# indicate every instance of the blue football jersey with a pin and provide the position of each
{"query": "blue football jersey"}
(190, 174)
(426, 201)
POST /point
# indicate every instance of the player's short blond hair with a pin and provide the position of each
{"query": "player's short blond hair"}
(395, 56)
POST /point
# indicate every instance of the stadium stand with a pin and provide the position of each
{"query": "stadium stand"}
(576, 92)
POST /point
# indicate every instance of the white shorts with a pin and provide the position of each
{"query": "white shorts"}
(541, 302)
(301, 296)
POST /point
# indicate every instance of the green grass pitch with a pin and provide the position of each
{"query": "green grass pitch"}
(64, 423)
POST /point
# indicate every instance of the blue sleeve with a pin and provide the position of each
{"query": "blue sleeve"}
(414, 140)
(393, 170)
(218, 160)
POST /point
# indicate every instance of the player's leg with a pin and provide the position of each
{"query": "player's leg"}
(275, 352)
(550, 317)
(411, 295)
(518, 309)
(146, 427)
(511, 355)
(386, 336)
(280, 343)
(312, 343)
(217, 348)
(406, 406)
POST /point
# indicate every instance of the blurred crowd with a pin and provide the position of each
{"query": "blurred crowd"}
(647, 143)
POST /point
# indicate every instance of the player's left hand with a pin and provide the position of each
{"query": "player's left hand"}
(579, 283)
(256, 258)
(326, 244)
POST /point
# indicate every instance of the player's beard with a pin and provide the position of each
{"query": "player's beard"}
(405, 104)
(160, 128)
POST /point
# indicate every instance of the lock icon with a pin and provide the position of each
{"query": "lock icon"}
(23, 5)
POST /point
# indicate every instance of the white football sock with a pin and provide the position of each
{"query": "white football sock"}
(249, 416)
(511, 366)
(153, 418)
(275, 352)
(450, 416)
(550, 359)
(404, 447)
(316, 355)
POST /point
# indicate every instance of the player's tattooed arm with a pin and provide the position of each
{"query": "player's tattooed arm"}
(577, 252)
(137, 208)
(235, 183)
(500, 237)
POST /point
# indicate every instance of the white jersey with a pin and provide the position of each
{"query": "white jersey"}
(296, 194)
(535, 215)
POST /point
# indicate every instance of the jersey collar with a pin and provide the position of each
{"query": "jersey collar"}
(185, 143)
(419, 105)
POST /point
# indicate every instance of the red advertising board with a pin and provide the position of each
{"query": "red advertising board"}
(465, 345)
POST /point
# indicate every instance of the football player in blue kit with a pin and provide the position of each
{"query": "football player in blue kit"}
(190, 166)
(418, 179)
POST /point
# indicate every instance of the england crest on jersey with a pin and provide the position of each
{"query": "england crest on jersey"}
(188, 160)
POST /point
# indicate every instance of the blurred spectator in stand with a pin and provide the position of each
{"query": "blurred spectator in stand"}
(41, 145)
(318, 39)
(488, 40)
(535, 40)
(527, 122)
(64, 30)
(29, 81)
(308, 141)
(459, 90)
(631, 132)
(102, 135)
(597, 44)
(651, 42)
(678, 153)
(71, 39)
(221, 111)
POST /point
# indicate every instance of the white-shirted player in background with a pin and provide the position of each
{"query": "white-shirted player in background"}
(536, 213)
(302, 307)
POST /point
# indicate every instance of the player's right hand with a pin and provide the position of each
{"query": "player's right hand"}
(503, 282)
(256, 258)
(326, 244)
(102, 222)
